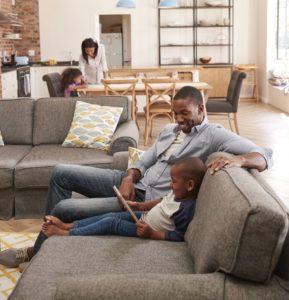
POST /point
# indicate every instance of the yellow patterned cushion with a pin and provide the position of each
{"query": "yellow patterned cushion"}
(134, 155)
(92, 126)
(1, 140)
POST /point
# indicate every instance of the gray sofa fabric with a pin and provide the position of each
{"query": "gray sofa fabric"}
(16, 121)
(111, 267)
(33, 132)
(142, 287)
(254, 223)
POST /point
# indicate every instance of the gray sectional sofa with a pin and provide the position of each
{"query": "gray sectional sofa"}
(33, 131)
(236, 248)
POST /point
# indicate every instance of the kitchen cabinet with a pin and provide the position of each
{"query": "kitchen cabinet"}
(9, 85)
(38, 86)
(196, 29)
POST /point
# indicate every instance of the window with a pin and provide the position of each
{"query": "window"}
(283, 29)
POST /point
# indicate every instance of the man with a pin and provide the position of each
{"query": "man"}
(148, 178)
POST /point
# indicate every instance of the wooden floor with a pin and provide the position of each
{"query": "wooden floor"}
(261, 123)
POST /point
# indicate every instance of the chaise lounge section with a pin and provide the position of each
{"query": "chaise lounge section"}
(237, 247)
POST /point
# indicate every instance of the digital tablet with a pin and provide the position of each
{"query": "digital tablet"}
(122, 200)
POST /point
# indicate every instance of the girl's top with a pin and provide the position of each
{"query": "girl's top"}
(70, 90)
(93, 70)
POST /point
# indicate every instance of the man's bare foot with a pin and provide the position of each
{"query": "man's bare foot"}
(55, 221)
(54, 230)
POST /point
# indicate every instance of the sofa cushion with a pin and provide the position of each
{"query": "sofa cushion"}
(10, 155)
(60, 257)
(238, 228)
(53, 116)
(36, 168)
(92, 126)
(16, 119)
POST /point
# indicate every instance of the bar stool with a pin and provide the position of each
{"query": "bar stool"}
(251, 80)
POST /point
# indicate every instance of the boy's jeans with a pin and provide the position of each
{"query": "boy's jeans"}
(91, 182)
(116, 223)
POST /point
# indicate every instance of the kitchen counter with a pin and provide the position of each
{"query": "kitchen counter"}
(5, 69)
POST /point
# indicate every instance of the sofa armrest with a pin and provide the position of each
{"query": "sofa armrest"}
(142, 286)
(120, 160)
(125, 136)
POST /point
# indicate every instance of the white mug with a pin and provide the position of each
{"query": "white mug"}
(226, 21)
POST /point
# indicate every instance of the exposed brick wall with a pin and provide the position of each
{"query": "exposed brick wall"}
(28, 13)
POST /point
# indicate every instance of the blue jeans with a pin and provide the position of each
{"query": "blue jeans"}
(94, 183)
(116, 223)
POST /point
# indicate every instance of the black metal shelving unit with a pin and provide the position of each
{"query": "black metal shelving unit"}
(200, 8)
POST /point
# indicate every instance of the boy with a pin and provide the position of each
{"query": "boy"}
(160, 219)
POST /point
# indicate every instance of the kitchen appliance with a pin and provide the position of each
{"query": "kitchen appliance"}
(23, 79)
(113, 48)
(21, 60)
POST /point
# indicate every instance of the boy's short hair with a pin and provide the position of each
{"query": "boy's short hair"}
(190, 93)
(192, 168)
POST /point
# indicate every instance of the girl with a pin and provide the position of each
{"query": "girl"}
(92, 61)
(71, 79)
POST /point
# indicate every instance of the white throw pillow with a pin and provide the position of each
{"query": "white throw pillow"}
(92, 126)
(1, 140)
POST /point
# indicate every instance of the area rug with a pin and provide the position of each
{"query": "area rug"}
(9, 276)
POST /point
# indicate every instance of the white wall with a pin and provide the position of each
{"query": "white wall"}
(64, 24)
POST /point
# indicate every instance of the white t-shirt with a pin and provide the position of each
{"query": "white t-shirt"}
(93, 70)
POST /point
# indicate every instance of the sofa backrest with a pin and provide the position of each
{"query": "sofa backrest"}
(53, 116)
(239, 226)
(16, 119)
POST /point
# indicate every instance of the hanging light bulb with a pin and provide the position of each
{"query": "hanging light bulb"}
(169, 3)
(126, 4)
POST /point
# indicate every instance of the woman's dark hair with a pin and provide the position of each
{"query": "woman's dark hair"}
(67, 77)
(88, 43)
(190, 93)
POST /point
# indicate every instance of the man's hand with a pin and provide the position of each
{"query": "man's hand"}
(143, 229)
(126, 188)
(225, 162)
(135, 205)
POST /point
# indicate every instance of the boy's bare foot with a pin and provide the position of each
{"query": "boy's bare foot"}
(54, 230)
(55, 221)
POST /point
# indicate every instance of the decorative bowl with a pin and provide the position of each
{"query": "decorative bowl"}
(205, 60)
(214, 3)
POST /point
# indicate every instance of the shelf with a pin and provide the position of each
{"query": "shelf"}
(213, 45)
(10, 38)
(191, 24)
(214, 7)
(177, 26)
(177, 45)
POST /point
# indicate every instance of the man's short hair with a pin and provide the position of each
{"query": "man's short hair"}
(192, 168)
(190, 93)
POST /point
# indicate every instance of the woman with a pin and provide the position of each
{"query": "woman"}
(92, 61)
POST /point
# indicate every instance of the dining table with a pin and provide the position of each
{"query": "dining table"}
(99, 89)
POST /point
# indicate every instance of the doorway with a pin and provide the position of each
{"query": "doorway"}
(115, 34)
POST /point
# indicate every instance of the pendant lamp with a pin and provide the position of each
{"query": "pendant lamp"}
(169, 3)
(126, 4)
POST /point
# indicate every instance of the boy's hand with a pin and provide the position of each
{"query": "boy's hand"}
(143, 229)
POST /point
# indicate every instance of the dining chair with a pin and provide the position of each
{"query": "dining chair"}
(122, 87)
(116, 74)
(159, 95)
(159, 74)
(228, 106)
(53, 81)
